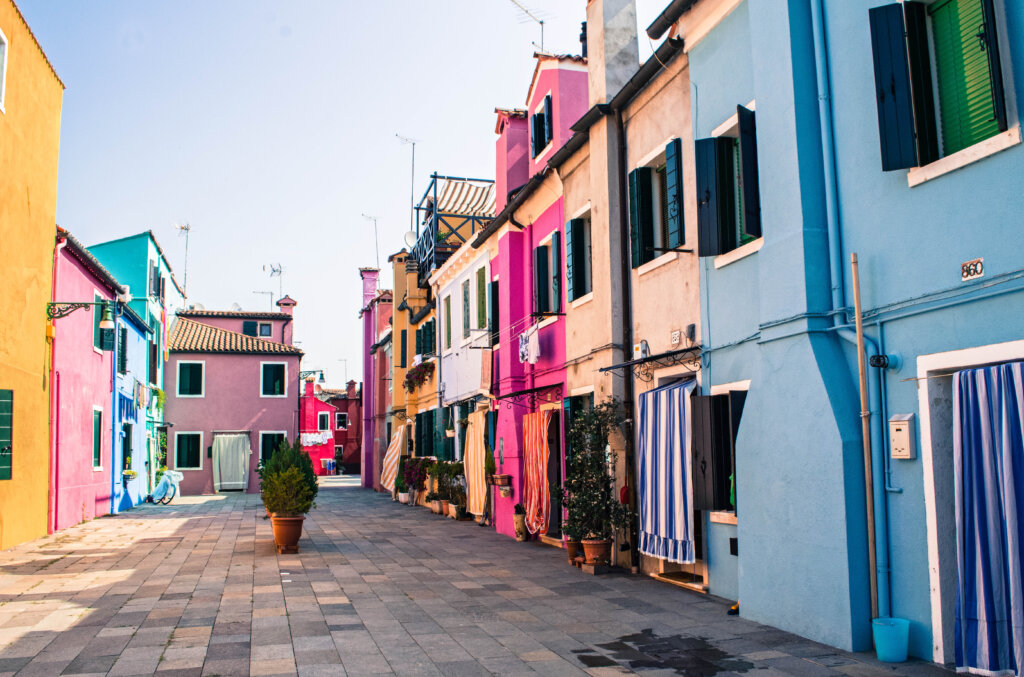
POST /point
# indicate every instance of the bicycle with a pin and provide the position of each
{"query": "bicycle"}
(168, 488)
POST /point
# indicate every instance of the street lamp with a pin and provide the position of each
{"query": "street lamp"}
(58, 309)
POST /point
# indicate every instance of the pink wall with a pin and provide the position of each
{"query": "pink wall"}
(281, 330)
(231, 402)
(82, 380)
(310, 408)
(568, 89)
(512, 151)
(350, 437)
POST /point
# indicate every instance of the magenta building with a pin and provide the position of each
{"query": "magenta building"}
(316, 426)
(232, 395)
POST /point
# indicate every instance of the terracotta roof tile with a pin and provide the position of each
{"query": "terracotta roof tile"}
(240, 314)
(188, 336)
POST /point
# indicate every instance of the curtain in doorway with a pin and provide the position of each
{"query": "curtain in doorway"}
(473, 460)
(535, 461)
(988, 443)
(664, 486)
(389, 469)
(231, 462)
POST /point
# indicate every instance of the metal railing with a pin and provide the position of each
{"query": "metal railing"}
(440, 233)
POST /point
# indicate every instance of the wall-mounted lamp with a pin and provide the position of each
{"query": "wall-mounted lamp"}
(57, 310)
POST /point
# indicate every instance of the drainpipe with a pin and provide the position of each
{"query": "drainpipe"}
(55, 412)
(874, 448)
(113, 414)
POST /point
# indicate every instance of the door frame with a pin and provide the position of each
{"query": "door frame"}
(929, 367)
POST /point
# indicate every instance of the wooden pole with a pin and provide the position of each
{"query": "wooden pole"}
(865, 431)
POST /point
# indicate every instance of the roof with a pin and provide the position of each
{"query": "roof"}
(465, 197)
(159, 250)
(189, 336)
(240, 314)
(39, 46)
(91, 263)
(511, 113)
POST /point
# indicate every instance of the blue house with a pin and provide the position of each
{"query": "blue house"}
(824, 129)
(131, 460)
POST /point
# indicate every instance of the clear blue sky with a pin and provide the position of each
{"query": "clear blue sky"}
(270, 128)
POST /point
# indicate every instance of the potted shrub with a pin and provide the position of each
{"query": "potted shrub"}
(572, 532)
(415, 473)
(434, 502)
(288, 497)
(519, 518)
(589, 492)
(288, 455)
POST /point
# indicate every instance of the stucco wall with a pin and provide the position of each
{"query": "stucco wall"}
(462, 365)
(29, 142)
(232, 402)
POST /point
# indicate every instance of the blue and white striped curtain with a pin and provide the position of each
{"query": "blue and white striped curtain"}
(988, 439)
(664, 487)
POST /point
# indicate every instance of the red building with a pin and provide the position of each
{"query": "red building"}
(348, 424)
(316, 427)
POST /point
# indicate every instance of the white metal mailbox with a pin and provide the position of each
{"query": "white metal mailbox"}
(901, 436)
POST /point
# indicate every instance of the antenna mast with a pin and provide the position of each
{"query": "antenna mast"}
(412, 182)
(376, 242)
(278, 272)
(184, 229)
(533, 16)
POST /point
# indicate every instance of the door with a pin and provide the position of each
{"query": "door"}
(555, 465)
(231, 461)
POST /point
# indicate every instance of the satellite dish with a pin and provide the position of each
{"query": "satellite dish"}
(198, 306)
(235, 306)
(410, 239)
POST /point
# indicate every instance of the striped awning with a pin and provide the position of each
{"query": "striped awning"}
(465, 198)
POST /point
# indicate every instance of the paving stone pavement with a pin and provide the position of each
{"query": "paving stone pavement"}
(196, 588)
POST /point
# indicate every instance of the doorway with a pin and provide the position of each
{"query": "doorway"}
(231, 453)
(554, 471)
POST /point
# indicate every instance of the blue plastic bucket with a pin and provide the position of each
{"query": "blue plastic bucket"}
(891, 638)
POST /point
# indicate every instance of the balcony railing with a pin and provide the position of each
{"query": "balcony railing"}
(447, 216)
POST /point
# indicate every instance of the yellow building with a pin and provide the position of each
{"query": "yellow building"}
(30, 103)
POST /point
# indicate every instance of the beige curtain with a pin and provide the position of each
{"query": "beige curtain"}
(474, 463)
(231, 461)
(390, 469)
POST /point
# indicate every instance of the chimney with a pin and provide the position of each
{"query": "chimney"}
(308, 386)
(614, 54)
(512, 157)
(369, 276)
(287, 305)
(583, 39)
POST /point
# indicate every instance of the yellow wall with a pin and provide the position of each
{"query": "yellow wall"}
(29, 146)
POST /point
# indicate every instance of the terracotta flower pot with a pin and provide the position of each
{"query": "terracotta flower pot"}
(444, 507)
(453, 510)
(435, 507)
(520, 522)
(597, 551)
(573, 549)
(287, 531)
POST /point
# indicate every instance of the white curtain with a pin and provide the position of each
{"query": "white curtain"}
(231, 461)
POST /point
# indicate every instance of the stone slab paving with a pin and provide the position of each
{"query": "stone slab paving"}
(196, 588)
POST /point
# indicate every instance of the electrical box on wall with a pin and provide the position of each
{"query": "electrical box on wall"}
(901, 436)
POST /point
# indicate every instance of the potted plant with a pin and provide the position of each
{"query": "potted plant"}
(519, 518)
(457, 497)
(572, 532)
(401, 489)
(288, 455)
(288, 496)
(417, 376)
(434, 502)
(415, 473)
(589, 493)
(489, 467)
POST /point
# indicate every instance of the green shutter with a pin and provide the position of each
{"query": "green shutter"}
(556, 272)
(963, 71)
(97, 438)
(6, 434)
(448, 321)
(674, 193)
(641, 215)
(541, 292)
(481, 298)
(122, 350)
(570, 283)
(465, 309)
(495, 328)
(549, 122)
(249, 327)
(403, 347)
(97, 315)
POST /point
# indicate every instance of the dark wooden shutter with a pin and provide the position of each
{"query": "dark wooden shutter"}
(556, 272)
(97, 438)
(432, 346)
(641, 215)
(711, 451)
(903, 91)
(569, 262)
(419, 343)
(540, 280)
(6, 434)
(715, 211)
(249, 327)
(995, 67)
(536, 132)
(674, 190)
(106, 339)
(495, 326)
(122, 350)
(736, 400)
(548, 122)
(748, 172)
(465, 309)
(403, 346)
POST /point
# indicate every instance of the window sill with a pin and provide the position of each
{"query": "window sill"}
(967, 156)
(190, 397)
(667, 257)
(547, 322)
(722, 517)
(97, 468)
(722, 260)
(582, 300)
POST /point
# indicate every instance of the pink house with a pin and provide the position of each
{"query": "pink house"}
(232, 395)
(527, 243)
(348, 423)
(316, 423)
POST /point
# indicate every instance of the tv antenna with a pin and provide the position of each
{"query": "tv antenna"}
(278, 272)
(184, 229)
(375, 240)
(270, 294)
(412, 180)
(532, 16)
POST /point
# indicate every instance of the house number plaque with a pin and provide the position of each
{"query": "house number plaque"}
(972, 270)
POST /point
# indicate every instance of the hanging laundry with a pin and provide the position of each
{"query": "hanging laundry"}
(533, 345)
(524, 347)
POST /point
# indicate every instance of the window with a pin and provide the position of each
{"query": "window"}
(191, 379)
(97, 316)
(656, 206)
(323, 421)
(272, 379)
(716, 422)
(6, 434)
(481, 298)
(3, 72)
(97, 437)
(269, 442)
(426, 338)
(188, 451)
(447, 322)
(547, 276)
(728, 192)
(465, 309)
(541, 128)
(423, 434)
(918, 122)
(122, 350)
(154, 362)
(573, 406)
(341, 420)
(403, 348)
(495, 328)
(249, 327)
(156, 281)
(339, 452)
(266, 330)
(577, 258)
(126, 446)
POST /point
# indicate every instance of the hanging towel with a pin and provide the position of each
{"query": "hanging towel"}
(535, 460)
(389, 471)
(231, 461)
(533, 345)
(988, 458)
(524, 347)
(664, 487)
(474, 461)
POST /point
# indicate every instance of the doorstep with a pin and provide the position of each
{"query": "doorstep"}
(682, 579)
(553, 542)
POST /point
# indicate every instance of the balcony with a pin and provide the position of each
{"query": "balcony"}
(450, 212)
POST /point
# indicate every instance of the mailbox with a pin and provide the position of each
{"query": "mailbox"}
(901, 436)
